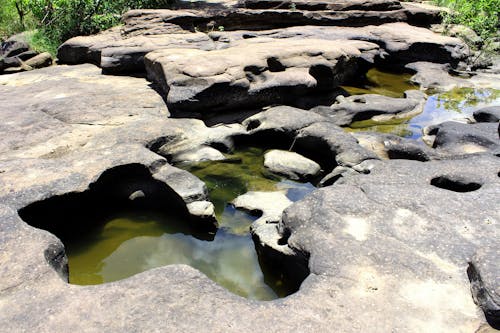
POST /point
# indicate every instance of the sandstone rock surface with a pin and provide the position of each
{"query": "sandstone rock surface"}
(290, 164)
(255, 73)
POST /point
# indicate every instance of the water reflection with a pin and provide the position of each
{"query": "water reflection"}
(456, 104)
(130, 243)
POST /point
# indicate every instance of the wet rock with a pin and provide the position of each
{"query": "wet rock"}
(309, 134)
(376, 108)
(490, 114)
(254, 73)
(456, 138)
(291, 165)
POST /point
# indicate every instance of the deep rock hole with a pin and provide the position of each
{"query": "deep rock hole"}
(130, 190)
(455, 184)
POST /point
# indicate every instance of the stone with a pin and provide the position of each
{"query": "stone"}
(189, 187)
(484, 277)
(202, 209)
(400, 43)
(389, 146)
(270, 207)
(435, 76)
(14, 46)
(376, 108)
(454, 138)
(490, 114)
(290, 164)
(254, 73)
(309, 134)
(397, 200)
(123, 50)
(197, 155)
(388, 244)
(124, 54)
(39, 61)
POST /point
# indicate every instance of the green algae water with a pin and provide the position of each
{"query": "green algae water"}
(130, 243)
(456, 104)
(382, 83)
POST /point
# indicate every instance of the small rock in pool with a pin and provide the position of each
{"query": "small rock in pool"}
(290, 164)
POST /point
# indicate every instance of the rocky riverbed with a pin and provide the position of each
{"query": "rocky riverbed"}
(400, 235)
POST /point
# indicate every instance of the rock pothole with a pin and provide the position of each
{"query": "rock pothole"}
(455, 184)
(129, 221)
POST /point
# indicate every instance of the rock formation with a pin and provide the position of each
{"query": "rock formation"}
(402, 236)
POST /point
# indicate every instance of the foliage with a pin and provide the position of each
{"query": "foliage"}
(58, 20)
(480, 15)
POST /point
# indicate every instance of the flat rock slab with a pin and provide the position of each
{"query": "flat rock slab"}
(116, 53)
(254, 73)
(290, 164)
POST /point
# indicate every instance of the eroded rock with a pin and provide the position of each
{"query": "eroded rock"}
(455, 138)
(255, 73)
(290, 164)
(376, 108)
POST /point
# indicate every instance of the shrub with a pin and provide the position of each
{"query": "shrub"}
(58, 20)
(480, 15)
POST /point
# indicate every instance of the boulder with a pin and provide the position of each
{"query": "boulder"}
(14, 46)
(189, 187)
(454, 138)
(389, 146)
(290, 164)
(490, 114)
(270, 207)
(39, 61)
(376, 108)
(117, 53)
(255, 73)
(386, 248)
(202, 209)
(435, 76)
(400, 43)
(203, 153)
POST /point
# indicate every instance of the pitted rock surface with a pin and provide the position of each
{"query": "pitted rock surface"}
(254, 73)
(407, 244)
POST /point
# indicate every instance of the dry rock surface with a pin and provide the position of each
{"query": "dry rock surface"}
(403, 236)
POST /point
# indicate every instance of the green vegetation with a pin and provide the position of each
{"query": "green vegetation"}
(51, 22)
(482, 16)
